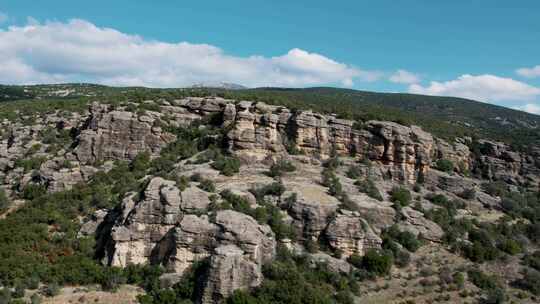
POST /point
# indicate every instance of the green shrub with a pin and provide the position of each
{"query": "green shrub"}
(354, 172)
(376, 262)
(35, 299)
(29, 164)
(32, 191)
(531, 281)
(281, 167)
(405, 238)
(5, 295)
(368, 187)
(4, 201)
(207, 185)
(401, 196)
(532, 259)
(444, 165)
(275, 189)
(141, 162)
(482, 280)
(331, 181)
(52, 289)
(228, 166)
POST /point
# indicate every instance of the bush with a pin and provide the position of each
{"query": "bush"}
(281, 167)
(401, 196)
(368, 187)
(405, 238)
(141, 163)
(35, 299)
(531, 281)
(376, 262)
(402, 258)
(4, 201)
(354, 172)
(52, 289)
(32, 191)
(444, 165)
(29, 164)
(5, 295)
(482, 280)
(331, 181)
(275, 189)
(228, 166)
(207, 185)
(533, 260)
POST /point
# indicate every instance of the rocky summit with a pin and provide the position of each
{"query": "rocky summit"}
(222, 200)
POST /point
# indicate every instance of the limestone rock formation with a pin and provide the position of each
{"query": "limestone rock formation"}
(59, 174)
(118, 135)
(351, 234)
(417, 224)
(161, 227)
(229, 270)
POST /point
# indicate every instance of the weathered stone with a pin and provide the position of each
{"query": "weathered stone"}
(351, 234)
(415, 222)
(229, 270)
(118, 135)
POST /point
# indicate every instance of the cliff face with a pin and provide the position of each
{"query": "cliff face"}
(118, 135)
(259, 131)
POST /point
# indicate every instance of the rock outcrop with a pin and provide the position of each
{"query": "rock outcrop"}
(118, 135)
(259, 131)
(162, 227)
(350, 234)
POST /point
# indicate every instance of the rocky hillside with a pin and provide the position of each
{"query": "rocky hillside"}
(213, 200)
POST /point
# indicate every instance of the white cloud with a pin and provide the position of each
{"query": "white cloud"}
(3, 17)
(403, 76)
(530, 108)
(529, 72)
(80, 51)
(487, 88)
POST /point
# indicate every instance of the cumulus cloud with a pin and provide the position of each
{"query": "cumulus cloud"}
(488, 88)
(529, 72)
(78, 50)
(405, 77)
(530, 108)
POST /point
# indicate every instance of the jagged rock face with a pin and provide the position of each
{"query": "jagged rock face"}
(143, 224)
(351, 234)
(499, 162)
(229, 271)
(57, 177)
(259, 131)
(312, 211)
(161, 228)
(402, 150)
(118, 135)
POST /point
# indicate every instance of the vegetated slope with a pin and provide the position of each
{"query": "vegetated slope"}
(446, 117)
(87, 194)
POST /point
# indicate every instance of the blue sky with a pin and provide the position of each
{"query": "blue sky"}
(466, 48)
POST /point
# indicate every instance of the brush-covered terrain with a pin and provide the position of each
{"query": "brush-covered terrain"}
(134, 195)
